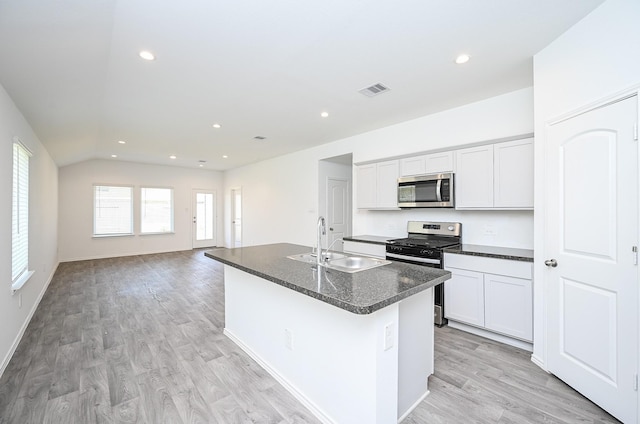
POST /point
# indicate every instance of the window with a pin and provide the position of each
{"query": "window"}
(112, 210)
(20, 217)
(156, 210)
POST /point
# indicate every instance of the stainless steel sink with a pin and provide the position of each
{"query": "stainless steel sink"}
(355, 263)
(311, 257)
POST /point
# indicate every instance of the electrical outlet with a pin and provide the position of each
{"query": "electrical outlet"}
(388, 336)
(288, 339)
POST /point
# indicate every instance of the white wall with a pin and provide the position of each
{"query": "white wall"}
(596, 58)
(43, 216)
(76, 207)
(281, 195)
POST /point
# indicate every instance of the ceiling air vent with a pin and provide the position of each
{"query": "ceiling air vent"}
(259, 137)
(374, 90)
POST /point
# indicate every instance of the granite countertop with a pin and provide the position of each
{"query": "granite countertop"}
(362, 292)
(492, 252)
(370, 239)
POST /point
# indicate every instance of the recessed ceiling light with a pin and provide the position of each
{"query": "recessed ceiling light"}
(463, 58)
(216, 125)
(172, 157)
(122, 142)
(147, 55)
(324, 114)
(114, 156)
(201, 165)
(224, 156)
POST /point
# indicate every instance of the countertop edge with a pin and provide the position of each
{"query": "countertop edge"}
(358, 310)
(477, 250)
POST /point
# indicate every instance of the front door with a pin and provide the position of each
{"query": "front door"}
(591, 234)
(338, 208)
(204, 207)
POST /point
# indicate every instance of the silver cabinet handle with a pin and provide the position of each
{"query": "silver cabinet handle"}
(551, 262)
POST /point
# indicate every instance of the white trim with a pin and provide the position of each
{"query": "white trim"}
(536, 360)
(124, 255)
(16, 342)
(312, 407)
(21, 281)
(491, 335)
(414, 406)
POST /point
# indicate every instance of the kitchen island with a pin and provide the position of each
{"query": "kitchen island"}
(352, 347)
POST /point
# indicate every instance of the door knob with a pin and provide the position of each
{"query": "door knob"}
(330, 228)
(551, 262)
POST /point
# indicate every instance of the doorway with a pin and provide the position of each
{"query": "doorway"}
(334, 203)
(204, 207)
(591, 239)
(236, 217)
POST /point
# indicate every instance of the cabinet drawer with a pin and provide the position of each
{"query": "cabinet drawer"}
(519, 269)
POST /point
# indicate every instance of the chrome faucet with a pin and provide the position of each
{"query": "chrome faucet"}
(322, 230)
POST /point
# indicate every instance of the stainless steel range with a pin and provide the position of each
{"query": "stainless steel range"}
(423, 246)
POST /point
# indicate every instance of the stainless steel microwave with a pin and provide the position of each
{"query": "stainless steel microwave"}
(426, 191)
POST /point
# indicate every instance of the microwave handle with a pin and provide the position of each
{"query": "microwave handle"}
(439, 190)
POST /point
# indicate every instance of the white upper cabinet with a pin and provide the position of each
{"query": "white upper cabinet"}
(513, 174)
(427, 164)
(377, 185)
(474, 178)
(495, 176)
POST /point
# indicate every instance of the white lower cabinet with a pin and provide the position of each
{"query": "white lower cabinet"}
(464, 297)
(493, 295)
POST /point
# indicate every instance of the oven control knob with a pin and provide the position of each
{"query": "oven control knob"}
(426, 252)
(450, 227)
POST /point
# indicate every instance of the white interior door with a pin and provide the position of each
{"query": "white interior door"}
(204, 207)
(338, 207)
(236, 217)
(591, 231)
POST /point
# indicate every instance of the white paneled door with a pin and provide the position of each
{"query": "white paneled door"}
(236, 217)
(590, 241)
(338, 207)
(204, 206)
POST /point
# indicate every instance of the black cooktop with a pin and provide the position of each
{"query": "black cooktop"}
(434, 242)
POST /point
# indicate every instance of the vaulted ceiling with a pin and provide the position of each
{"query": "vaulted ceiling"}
(256, 68)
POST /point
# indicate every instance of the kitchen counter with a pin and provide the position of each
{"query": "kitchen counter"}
(352, 347)
(370, 239)
(524, 255)
(361, 292)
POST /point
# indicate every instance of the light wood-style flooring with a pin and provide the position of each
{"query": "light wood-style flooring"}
(139, 340)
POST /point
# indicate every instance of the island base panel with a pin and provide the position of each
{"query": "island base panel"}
(344, 367)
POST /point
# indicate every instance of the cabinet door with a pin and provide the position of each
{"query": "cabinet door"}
(513, 174)
(366, 186)
(438, 162)
(509, 306)
(413, 166)
(387, 179)
(464, 297)
(474, 178)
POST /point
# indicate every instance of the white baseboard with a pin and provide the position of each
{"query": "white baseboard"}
(491, 335)
(414, 406)
(310, 405)
(110, 256)
(539, 362)
(16, 342)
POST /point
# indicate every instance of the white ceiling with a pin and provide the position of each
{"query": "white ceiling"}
(259, 68)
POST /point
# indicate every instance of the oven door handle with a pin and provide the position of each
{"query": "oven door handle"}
(413, 258)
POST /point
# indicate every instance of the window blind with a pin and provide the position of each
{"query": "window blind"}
(20, 212)
(113, 210)
(156, 210)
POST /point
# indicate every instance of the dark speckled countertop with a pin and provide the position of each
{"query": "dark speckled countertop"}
(492, 252)
(362, 292)
(370, 239)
